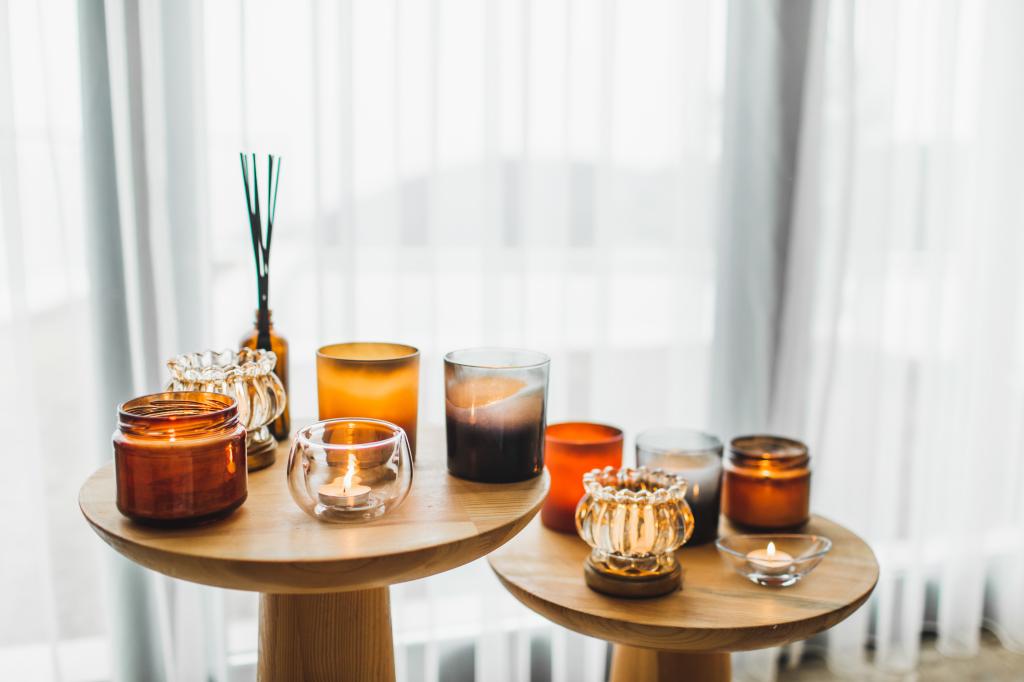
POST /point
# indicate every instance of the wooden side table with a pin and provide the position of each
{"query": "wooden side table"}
(686, 635)
(324, 607)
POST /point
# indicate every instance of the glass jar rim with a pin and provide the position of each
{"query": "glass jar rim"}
(763, 447)
(331, 351)
(767, 446)
(184, 412)
(608, 485)
(305, 435)
(710, 444)
(210, 366)
(530, 359)
(610, 434)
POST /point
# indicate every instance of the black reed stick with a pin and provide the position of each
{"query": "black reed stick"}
(260, 240)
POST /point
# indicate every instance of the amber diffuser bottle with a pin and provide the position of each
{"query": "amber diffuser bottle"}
(279, 428)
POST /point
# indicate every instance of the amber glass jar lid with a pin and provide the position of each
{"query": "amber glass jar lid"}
(765, 448)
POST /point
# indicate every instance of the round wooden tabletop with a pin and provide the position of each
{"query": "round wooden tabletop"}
(270, 545)
(716, 611)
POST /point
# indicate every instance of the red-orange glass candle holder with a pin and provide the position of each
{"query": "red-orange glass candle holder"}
(767, 482)
(179, 458)
(573, 449)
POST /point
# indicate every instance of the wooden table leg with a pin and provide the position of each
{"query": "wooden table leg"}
(338, 636)
(630, 664)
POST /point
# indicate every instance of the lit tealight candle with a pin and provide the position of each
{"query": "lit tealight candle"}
(344, 491)
(769, 561)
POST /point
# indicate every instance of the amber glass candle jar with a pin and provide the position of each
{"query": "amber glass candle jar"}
(280, 428)
(767, 482)
(571, 449)
(179, 458)
(375, 380)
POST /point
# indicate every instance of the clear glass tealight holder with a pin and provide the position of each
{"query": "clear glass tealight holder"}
(634, 520)
(349, 470)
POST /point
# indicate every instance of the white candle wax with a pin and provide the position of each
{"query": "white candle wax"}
(769, 560)
(337, 494)
(345, 491)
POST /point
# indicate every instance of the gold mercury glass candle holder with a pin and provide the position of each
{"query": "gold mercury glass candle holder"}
(634, 520)
(247, 375)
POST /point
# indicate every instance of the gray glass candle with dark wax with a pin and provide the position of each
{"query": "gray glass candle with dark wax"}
(495, 401)
(698, 457)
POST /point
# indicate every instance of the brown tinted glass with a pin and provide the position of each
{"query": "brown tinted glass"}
(280, 428)
(767, 482)
(179, 458)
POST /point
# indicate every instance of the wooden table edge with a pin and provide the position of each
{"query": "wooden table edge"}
(663, 638)
(653, 637)
(485, 542)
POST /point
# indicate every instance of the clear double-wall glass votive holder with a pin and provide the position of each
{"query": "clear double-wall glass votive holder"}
(349, 470)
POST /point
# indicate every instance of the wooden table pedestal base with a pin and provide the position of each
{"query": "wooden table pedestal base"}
(631, 664)
(338, 636)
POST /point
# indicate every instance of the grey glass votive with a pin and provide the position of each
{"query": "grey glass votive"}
(697, 456)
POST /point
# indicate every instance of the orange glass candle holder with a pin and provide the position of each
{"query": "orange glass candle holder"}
(767, 482)
(374, 380)
(179, 458)
(571, 450)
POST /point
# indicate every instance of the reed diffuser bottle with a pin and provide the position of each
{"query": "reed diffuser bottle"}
(280, 427)
(263, 335)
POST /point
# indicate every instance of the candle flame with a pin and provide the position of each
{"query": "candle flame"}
(350, 478)
(771, 549)
(696, 490)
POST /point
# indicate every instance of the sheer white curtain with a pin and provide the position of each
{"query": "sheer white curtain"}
(800, 217)
(539, 174)
(900, 350)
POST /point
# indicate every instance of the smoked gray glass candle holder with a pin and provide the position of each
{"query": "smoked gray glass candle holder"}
(495, 413)
(697, 456)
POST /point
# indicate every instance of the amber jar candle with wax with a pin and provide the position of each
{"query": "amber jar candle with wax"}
(571, 449)
(179, 458)
(767, 482)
